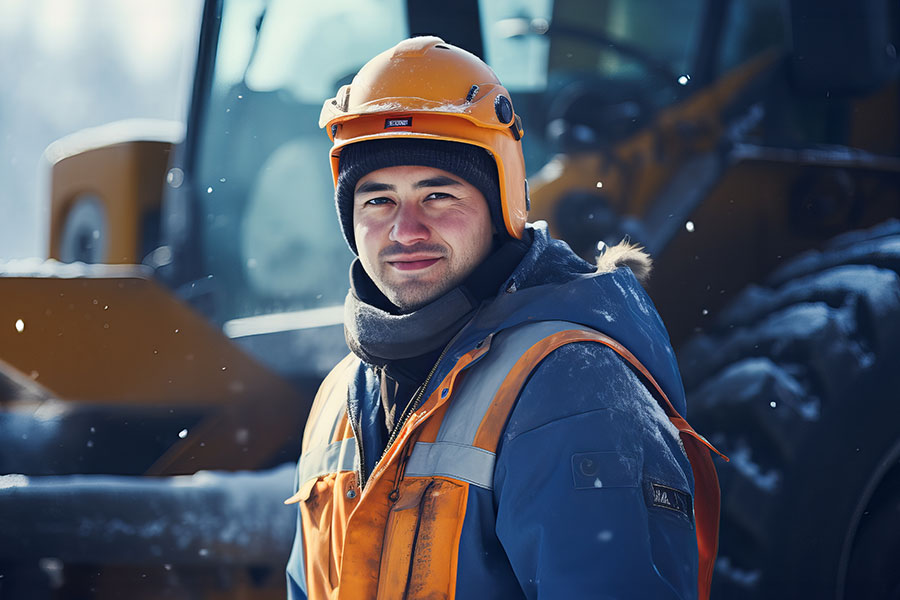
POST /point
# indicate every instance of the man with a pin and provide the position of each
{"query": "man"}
(504, 427)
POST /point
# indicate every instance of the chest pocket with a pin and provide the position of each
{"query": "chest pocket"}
(421, 540)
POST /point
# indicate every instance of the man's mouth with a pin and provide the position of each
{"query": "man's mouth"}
(414, 264)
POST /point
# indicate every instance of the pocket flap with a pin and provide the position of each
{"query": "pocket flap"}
(304, 491)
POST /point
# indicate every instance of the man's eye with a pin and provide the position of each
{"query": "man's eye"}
(378, 201)
(438, 196)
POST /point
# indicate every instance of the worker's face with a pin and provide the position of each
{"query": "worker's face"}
(419, 231)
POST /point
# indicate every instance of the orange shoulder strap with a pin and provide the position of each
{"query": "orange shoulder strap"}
(706, 482)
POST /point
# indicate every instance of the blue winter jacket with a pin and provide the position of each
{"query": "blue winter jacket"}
(586, 494)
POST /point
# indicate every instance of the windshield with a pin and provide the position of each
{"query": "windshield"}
(268, 231)
(529, 43)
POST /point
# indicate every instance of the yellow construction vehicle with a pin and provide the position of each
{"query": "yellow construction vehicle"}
(156, 374)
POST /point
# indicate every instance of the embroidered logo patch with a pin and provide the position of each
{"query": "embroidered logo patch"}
(669, 498)
(398, 122)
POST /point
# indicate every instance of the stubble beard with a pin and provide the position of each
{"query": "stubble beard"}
(410, 296)
(412, 293)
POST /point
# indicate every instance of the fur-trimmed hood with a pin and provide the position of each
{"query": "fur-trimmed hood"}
(552, 261)
(626, 254)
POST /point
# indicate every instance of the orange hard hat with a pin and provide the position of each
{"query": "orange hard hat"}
(426, 89)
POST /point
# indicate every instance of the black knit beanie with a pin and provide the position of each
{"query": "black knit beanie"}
(472, 163)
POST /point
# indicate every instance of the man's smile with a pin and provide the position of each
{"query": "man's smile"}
(407, 263)
(416, 257)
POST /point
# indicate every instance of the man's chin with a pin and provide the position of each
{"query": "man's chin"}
(410, 297)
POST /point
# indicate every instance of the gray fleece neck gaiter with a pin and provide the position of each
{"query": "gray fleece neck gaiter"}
(378, 336)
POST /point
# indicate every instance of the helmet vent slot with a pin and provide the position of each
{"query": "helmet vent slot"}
(441, 46)
(472, 92)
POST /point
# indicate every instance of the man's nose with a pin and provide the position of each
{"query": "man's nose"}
(409, 226)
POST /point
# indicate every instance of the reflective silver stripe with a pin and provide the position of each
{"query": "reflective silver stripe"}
(452, 454)
(322, 460)
(478, 388)
(463, 462)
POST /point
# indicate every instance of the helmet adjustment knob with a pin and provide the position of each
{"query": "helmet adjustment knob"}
(503, 108)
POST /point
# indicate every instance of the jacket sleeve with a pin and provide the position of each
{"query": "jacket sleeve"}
(592, 487)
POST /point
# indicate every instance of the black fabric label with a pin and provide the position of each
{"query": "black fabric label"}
(669, 498)
(398, 122)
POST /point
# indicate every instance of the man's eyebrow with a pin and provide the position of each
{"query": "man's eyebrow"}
(374, 186)
(439, 181)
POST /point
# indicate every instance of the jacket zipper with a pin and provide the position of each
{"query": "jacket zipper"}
(413, 405)
(359, 446)
(398, 427)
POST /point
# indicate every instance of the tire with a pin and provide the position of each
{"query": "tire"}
(797, 382)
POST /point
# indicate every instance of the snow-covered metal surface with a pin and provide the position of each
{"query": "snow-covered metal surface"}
(206, 518)
(155, 130)
(304, 348)
(39, 267)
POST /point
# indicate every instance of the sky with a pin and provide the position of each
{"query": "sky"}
(66, 65)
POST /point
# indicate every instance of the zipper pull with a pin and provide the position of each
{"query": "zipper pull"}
(401, 470)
